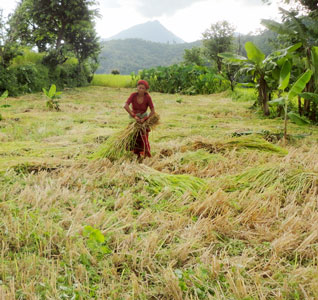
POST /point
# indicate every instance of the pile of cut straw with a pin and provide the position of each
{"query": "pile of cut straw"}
(119, 144)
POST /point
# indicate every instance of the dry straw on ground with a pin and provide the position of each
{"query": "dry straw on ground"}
(186, 224)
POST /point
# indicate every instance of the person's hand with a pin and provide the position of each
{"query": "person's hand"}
(144, 119)
(137, 119)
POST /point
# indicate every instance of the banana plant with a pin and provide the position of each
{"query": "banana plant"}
(4, 96)
(302, 29)
(263, 69)
(294, 91)
(52, 95)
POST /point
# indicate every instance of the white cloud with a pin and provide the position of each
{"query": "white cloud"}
(188, 19)
(155, 8)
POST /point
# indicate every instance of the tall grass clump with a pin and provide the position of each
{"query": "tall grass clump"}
(119, 144)
(243, 94)
(111, 80)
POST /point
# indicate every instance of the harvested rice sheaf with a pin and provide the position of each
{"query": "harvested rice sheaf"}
(240, 143)
(281, 177)
(178, 184)
(120, 143)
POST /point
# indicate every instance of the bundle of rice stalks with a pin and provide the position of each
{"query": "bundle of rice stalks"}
(289, 179)
(119, 144)
(177, 184)
(198, 158)
(241, 142)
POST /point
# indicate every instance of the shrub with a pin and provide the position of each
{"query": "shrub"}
(189, 79)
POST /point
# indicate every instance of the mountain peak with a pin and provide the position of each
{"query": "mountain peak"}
(150, 31)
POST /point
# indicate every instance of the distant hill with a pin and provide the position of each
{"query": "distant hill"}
(132, 55)
(149, 31)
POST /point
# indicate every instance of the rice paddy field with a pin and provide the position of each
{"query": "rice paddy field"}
(111, 80)
(223, 209)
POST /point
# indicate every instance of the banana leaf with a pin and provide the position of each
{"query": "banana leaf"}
(232, 57)
(310, 96)
(299, 85)
(284, 75)
(295, 118)
(279, 101)
(253, 53)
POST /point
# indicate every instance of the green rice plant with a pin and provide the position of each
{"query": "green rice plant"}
(244, 142)
(111, 80)
(122, 142)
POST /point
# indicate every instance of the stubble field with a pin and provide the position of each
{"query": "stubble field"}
(223, 209)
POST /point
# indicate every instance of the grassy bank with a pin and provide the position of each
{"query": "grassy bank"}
(223, 209)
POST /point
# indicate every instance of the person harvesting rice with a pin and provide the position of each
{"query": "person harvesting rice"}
(135, 136)
(140, 102)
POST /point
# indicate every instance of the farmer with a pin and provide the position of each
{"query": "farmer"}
(140, 102)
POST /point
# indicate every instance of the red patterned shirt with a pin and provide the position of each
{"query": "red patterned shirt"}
(138, 108)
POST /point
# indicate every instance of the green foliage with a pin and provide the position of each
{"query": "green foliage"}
(27, 56)
(189, 79)
(295, 118)
(52, 95)
(57, 27)
(263, 69)
(193, 56)
(4, 96)
(96, 241)
(115, 72)
(8, 47)
(217, 39)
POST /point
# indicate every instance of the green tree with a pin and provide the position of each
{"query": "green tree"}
(193, 56)
(59, 27)
(217, 39)
(8, 48)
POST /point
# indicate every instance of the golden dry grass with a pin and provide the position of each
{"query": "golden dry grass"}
(239, 223)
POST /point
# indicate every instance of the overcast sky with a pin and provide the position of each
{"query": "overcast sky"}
(188, 19)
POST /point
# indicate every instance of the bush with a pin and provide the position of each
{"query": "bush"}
(30, 77)
(189, 79)
(8, 81)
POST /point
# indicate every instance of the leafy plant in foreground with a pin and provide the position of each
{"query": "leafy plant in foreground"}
(4, 96)
(294, 90)
(52, 95)
(95, 241)
(262, 68)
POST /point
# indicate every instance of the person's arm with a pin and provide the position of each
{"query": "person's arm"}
(127, 108)
(152, 110)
